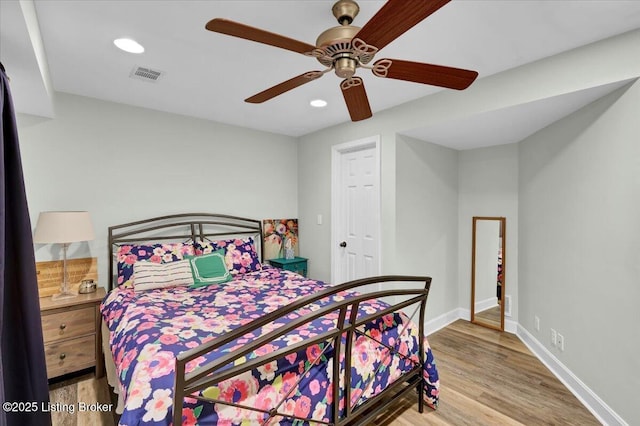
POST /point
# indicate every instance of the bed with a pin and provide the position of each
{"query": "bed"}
(259, 346)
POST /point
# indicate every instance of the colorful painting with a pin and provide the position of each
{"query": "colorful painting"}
(279, 234)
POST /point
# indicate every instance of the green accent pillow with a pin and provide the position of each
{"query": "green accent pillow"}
(209, 269)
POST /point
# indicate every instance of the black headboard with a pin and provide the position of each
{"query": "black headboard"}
(184, 227)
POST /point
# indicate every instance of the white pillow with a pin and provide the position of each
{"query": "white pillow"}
(150, 275)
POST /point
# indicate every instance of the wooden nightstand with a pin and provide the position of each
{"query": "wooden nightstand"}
(72, 338)
(297, 264)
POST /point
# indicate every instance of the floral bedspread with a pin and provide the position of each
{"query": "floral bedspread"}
(147, 330)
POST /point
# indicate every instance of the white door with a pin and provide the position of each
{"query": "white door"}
(356, 210)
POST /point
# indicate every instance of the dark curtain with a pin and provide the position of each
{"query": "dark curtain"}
(22, 370)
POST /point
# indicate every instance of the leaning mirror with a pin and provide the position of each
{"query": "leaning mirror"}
(487, 271)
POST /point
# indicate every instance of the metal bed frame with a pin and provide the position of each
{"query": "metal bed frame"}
(184, 227)
(190, 227)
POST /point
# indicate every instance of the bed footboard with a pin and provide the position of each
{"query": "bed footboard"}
(347, 322)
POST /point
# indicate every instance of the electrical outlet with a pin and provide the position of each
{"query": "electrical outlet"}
(560, 342)
(554, 337)
(536, 323)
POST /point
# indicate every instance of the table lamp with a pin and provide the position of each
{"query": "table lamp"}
(63, 227)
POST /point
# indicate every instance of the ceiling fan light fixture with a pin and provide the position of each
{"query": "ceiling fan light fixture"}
(345, 67)
(128, 45)
(318, 103)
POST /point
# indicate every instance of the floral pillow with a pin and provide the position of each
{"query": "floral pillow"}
(240, 254)
(127, 256)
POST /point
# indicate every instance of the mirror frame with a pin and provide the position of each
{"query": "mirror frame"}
(503, 229)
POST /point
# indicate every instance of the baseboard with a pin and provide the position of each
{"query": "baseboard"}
(447, 318)
(444, 320)
(511, 326)
(589, 399)
(585, 395)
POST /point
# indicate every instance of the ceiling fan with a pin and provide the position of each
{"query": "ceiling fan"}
(346, 48)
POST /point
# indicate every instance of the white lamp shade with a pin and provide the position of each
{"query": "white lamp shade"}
(63, 227)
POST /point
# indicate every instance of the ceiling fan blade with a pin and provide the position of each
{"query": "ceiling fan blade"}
(417, 72)
(224, 26)
(283, 87)
(395, 18)
(355, 96)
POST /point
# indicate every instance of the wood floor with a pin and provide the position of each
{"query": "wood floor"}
(490, 378)
(73, 391)
(487, 378)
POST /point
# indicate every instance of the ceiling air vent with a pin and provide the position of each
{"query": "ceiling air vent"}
(146, 74)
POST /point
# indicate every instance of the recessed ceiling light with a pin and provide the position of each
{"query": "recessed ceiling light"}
(318, 103)
(128, 45)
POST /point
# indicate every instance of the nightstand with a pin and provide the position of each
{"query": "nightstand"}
(71, 330)
(297, 264)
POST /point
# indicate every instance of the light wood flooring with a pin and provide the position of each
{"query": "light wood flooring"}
(487, 378)
(84, 388)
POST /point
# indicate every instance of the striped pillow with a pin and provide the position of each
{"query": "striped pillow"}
(150, 275)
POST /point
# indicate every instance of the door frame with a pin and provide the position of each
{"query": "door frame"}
(336, 185)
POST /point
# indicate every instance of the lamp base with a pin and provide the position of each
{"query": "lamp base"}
(64, 295)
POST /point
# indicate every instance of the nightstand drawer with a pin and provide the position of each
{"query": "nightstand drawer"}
(68, 324)
(70, 355)
(297, 264)
(72, 339)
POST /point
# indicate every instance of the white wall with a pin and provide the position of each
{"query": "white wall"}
(426, 219)
(579, 245)
(419, 207)
(124, 163)
(488, 186)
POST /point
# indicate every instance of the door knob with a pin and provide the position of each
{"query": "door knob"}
(343, 244)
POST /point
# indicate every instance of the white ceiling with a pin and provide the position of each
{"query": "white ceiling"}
(208, 75)
(508, 125)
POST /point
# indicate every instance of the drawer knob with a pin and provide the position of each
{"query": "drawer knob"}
(63, 356)
(63, 326)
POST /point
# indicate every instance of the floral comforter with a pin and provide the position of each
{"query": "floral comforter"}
(147, 330)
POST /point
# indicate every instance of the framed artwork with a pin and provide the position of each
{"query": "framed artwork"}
(279, 234)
